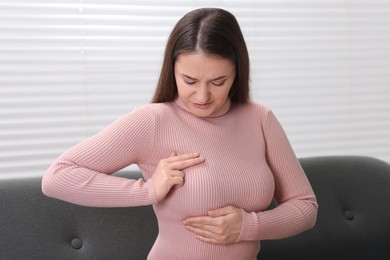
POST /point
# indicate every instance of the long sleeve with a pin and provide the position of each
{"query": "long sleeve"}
(82, 175)
(296, 209)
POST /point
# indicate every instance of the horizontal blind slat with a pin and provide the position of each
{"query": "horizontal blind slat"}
(68, 68)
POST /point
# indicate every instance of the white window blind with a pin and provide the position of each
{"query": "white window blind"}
(68, 68)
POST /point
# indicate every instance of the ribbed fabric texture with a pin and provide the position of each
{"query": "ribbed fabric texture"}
(248, 161)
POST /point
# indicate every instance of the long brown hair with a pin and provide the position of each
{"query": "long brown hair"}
(212, 31)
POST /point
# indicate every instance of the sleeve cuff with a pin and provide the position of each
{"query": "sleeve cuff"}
(151, 191)
(249, 227)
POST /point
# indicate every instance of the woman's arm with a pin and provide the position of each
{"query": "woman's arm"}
(82, 175)
(296, 209)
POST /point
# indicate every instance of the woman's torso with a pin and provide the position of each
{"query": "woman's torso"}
(234, 173)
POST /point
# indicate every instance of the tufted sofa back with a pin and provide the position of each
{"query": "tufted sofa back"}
(353, 221)
(35, 227)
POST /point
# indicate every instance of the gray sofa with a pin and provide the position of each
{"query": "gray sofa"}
(353, 220)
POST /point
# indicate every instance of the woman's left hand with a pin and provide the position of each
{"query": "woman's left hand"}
(222, 226)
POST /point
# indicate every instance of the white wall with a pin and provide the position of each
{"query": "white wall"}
(68, 68)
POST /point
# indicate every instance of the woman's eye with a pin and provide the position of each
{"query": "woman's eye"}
(189, 82)
(219, 83)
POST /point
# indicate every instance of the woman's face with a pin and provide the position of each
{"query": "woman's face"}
(203, 82)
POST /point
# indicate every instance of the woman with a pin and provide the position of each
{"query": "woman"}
(212, 159)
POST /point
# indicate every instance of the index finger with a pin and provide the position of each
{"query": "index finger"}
(185, 163)
(203, 220)
(182, 157)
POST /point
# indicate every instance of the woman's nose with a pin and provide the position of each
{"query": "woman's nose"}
(202, 94)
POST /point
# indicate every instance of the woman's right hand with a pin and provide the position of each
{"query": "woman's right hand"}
(169, 172)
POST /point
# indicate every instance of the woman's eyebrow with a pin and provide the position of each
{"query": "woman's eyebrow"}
(218, 78)
(191, 78)
(186, 76)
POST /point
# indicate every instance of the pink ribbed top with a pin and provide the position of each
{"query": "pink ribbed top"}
(248, 161)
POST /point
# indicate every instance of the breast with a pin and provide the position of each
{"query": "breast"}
(241, 182)
(234, 173)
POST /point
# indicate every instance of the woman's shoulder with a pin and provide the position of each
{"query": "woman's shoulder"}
(160, 109)
(152, 110)
(255, 107)
(257, 112)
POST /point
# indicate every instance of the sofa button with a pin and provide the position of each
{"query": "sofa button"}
(348, 215)
(76, 243)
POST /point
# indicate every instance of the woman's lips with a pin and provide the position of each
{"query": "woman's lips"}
(202, 106)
